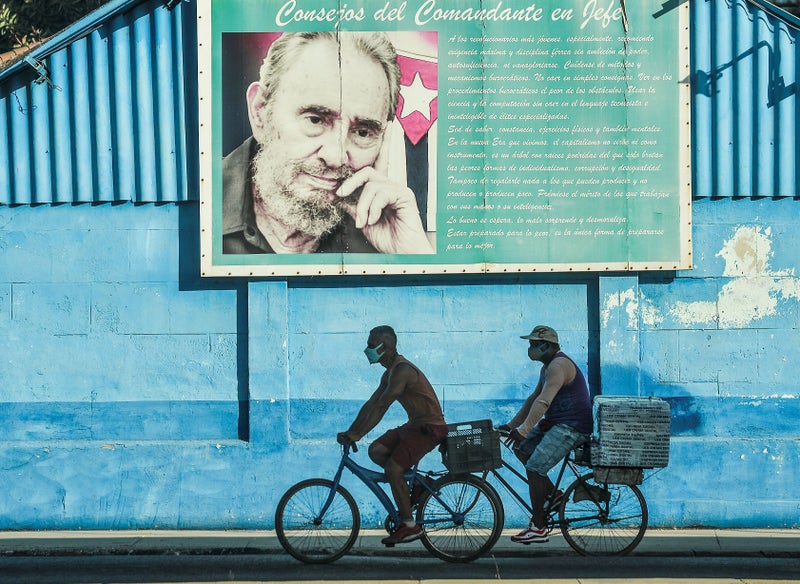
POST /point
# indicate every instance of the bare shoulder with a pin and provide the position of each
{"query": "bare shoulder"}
(563, 366)
(404, 370)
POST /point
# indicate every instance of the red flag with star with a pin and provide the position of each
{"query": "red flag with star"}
(418, 105)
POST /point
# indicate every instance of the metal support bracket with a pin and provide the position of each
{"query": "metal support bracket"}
(44, 74)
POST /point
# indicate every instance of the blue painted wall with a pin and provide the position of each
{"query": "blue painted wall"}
(127, 383)
(134, 394)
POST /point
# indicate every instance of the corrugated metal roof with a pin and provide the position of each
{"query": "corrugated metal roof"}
(117, 120)
(98, 112)
(746, 111)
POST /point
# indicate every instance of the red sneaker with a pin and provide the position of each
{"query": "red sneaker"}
(531, 534)
(404, 534)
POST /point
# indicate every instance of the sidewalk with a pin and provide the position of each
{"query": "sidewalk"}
(657, 542)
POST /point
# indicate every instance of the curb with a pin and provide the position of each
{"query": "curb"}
(656, 542)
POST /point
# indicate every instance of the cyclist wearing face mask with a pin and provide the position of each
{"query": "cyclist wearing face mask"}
(400, 448)
(553, 420)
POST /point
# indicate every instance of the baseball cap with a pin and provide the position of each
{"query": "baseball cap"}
(542, 333)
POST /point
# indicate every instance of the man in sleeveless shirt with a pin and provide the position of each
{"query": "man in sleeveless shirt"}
(400, 448)
(553, 420)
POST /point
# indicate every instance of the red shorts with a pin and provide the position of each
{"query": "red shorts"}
(408, 444)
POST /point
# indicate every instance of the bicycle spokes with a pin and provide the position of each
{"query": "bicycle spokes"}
(462, 520)
(603, 519)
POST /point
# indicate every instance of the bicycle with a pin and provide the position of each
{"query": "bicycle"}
(596, 518)
(317, 520)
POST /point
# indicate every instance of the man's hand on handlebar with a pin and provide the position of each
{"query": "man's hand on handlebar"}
(510, 437)
(345, 439)
(516, 436)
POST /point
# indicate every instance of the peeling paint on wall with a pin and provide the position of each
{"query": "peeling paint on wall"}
(755, 289)
(752, 293)
(695, 312)
(625, 298)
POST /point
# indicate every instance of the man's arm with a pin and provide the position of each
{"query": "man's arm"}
(372, 412)
(556, 375)
(362, 417)
(520, 416)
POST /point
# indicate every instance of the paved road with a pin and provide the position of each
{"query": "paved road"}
(151, 557)
(255, 567)
(251, 568)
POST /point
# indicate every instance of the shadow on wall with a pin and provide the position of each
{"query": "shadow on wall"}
(685, 408)
(725, 416)
(189, 279)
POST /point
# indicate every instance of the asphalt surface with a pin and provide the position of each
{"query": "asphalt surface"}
(750, 556)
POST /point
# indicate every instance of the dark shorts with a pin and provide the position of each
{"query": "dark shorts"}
(408, 444)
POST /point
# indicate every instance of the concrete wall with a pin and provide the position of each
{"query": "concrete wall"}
(133, 394)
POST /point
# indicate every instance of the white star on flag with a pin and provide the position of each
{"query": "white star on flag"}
(417, 98)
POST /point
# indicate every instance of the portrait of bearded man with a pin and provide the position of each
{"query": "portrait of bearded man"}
(312, 177)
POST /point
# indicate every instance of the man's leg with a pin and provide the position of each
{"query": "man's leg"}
(540, 487)
(414, 444)
(395, 472)
(408, 530)
(538, 491)
(382, 456)
(550, 449)
(379, 454)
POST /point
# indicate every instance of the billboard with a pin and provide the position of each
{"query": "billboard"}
(418, 136)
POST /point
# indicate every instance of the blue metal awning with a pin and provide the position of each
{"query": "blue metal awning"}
(104, 111)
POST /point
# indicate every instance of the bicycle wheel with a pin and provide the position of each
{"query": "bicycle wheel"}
(465, 523)
(307, 536)
(602, 520)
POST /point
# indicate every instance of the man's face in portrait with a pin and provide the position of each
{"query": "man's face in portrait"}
(325, 121)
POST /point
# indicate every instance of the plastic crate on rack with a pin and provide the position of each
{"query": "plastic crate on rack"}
(471, 447)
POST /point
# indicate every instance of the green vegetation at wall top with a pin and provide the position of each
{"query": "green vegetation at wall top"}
(23, 22)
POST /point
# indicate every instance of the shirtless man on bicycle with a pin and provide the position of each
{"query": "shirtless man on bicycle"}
(401, 448)
(556, 418)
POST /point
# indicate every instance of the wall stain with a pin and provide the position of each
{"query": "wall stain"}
(752, 293)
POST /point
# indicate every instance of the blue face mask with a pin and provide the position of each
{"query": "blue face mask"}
(373, 356)
(536, 353)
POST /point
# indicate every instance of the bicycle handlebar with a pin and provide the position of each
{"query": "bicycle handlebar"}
(346, 442)
(508, 442)
(346, 447)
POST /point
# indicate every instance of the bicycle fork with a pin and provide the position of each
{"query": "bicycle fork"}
(337, 478)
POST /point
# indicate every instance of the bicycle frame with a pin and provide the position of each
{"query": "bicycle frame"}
(317, 520)
(373, 479)
(513, 492)
(552, 519)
